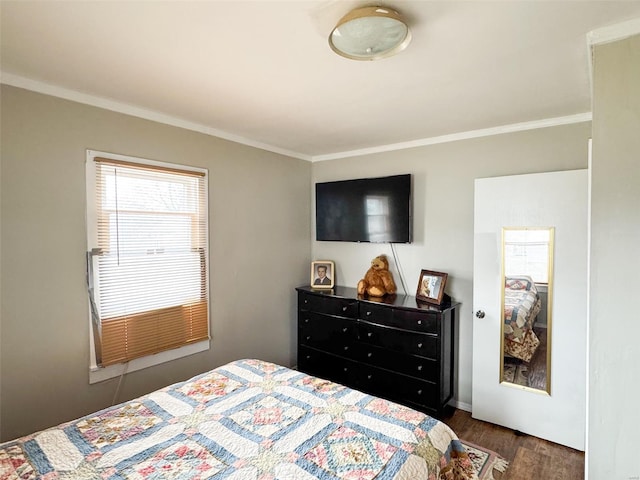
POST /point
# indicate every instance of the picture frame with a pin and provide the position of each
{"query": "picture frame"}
(322, 274)
(431, 286)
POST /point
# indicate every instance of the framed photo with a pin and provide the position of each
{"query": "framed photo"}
(322, 274)
(431, 286)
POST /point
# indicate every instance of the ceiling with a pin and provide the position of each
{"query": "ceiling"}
(262, 73)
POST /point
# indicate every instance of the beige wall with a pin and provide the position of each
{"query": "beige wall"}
(614, 328)
(259, 250)
(443, 177)
(257, 199)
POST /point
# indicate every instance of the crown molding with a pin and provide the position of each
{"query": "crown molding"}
(127, 109)
(608, 34)
(612, 33)
(454, 137)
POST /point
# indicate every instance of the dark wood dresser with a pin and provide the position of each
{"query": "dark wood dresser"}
(395, 347)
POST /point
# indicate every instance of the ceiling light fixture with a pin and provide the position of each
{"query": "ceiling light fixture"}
(370, 33)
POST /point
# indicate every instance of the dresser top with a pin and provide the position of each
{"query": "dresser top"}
(396, 300)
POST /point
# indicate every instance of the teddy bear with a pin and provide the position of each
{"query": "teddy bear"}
(378, 281)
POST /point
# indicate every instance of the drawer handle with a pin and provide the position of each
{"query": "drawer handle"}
(345, 329)
(306, 301)
(306, 320)
(308, 357)
(369, 377)
(368, 313)
(346, 348)
(419, 322)
(308, 337)
(344, 309)
(419, 368)
(369, 334)
(420, 345)
(419, 392)
(369, 354)
(345, 369)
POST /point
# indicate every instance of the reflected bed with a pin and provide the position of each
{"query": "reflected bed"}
(521, 307)
(248, 419)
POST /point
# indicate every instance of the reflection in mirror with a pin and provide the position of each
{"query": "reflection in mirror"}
(527, 279)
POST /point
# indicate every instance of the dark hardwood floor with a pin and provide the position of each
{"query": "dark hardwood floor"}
(537, 376)
(529, 457)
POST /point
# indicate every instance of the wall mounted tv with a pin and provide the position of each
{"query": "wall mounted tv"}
(376, 210)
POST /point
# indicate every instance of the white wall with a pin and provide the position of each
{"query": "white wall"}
(614, 333)
(259, 251)
(0, 284)
(443, 177)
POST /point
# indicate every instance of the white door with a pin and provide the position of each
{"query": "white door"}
(558, 200)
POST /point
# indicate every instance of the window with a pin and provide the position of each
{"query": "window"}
(147, 259)
(527, 251)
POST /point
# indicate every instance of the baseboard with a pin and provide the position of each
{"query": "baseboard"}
(462, 406)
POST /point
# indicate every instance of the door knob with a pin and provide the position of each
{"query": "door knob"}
(480, 314)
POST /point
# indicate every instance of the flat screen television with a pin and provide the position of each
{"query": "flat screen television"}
(376, 210)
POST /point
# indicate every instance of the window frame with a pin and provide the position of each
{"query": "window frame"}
(99, 373)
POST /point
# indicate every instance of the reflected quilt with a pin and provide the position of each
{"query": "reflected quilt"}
(247, 420)
(521, 306)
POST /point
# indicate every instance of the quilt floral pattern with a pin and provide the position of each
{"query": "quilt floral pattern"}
(521, 306)
(247, 420)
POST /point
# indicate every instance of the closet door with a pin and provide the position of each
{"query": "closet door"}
(529, 372)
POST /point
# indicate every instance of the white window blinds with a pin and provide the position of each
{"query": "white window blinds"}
(527, 251)
(149, 270)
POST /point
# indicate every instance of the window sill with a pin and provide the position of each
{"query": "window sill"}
(100, 374)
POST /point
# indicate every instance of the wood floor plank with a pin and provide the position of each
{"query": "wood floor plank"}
(529, 457)
(528, 464)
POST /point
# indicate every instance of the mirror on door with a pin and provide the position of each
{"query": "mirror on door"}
(527, 281)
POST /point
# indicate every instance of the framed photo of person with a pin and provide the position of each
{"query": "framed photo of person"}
(431, 286)
(322, 274)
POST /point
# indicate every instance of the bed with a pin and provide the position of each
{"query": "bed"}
(247, 420)
(521, 306)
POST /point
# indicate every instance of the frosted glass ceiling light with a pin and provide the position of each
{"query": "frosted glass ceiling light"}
(370, 33)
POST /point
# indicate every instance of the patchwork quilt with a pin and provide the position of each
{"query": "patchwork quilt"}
(521, 306)
(247, 420)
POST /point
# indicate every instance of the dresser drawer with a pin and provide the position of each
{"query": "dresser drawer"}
(393, 386)
(328, 305)
(412, 343)
(418, 367)
(394, 317)
(324, 365)
(375, 313)
(418, 321)
(332, 334)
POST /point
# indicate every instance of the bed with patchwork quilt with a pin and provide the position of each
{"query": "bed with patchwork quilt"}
(247, 420)
(521, 307)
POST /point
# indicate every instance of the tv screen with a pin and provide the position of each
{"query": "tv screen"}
(376, 210)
